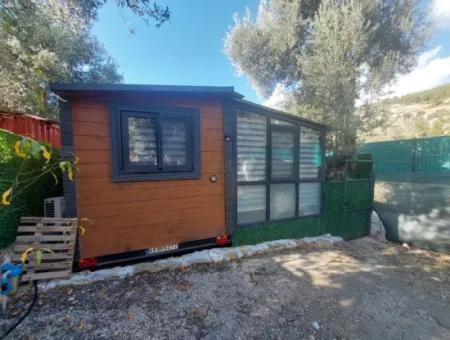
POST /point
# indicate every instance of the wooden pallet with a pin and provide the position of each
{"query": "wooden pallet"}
(56, 234)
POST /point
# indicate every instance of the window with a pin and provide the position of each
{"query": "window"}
(282, 201)
(251, 147)
(251, 204)
(283, 142)
(310, 153)
(309, 199)
(155, 143)
(142, 141)
(279, 169)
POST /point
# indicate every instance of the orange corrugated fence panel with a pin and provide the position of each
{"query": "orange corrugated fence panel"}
(43, 130)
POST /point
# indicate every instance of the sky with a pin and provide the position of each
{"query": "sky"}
(188, 49)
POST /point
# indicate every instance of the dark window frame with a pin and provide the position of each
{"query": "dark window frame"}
(121, 168)
(297, 124)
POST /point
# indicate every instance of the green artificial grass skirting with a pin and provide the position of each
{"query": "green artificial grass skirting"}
(335, 219)
(276, 231)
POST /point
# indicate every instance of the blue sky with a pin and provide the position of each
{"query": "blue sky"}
(188, 50)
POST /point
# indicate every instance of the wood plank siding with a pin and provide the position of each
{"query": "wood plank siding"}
(129, 216)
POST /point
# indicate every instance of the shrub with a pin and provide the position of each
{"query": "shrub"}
(34, 184)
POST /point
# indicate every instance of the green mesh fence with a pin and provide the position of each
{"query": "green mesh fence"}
(347, 209)
(433, 155)
(412, 191)
(410, 155)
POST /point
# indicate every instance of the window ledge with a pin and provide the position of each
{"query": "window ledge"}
(156, 176)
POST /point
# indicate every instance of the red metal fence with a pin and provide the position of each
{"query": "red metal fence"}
(38, 128)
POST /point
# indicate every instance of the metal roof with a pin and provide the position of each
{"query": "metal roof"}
(227, 91)
(281, 114)
(224, 91)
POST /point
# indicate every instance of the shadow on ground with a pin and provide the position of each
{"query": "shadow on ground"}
(355, 290)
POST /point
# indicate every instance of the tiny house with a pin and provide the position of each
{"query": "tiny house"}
(165, 169)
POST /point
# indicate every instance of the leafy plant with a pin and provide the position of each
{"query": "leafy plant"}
(327, 56)
(27, 149)
(29, 172)
(45, 41)
(39, 253)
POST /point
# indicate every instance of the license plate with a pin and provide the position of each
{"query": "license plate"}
(161, 249)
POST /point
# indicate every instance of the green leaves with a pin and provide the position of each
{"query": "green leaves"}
(26, 148)
(36, 149)
(67, 166)
(38, 257)
(44, 41)
(330, 57)
(56, 45)
(39, 254)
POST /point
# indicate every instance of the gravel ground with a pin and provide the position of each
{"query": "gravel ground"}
(352, 290)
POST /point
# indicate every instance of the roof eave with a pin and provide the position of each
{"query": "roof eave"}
(65, 88)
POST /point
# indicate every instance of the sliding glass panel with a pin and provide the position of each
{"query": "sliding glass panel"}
(282, 154)
(174, 142)
(251, 147)
(310, 153)
(251, 204)
(309, 199)
(282, 201)
(142, 140)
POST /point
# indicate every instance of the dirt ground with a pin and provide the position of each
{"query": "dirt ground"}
(353, 290)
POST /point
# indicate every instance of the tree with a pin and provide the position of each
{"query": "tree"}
(333, 58)
(44, 41)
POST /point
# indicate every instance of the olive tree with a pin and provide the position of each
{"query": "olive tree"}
(333, 58)
(44, 41)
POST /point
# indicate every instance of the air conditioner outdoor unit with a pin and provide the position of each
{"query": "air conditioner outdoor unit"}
(54, 207)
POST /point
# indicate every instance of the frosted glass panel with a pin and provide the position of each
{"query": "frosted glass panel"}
(251, 147)
(310, 155)
(142, 140)
(282, 154)
(309, 199)
(282, 201)
(251, 204)
(174, 142)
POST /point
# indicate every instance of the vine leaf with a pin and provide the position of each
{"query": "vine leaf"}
(18, 149)
(24, 255)
(6, 197)
(46, 153)
(35, 149)
(38, 257)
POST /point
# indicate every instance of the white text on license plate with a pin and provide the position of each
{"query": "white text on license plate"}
(161, 249)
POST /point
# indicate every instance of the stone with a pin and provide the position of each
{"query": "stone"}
(216, 255)
(184, 262)
(315, 325)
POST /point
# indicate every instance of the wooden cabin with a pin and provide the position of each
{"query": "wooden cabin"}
(164, 169)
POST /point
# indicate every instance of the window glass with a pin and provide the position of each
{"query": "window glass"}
(310, 153)
(149, 144)
(282, 201)
(280, 122)
(251, 147)
(142, 140)
(294, 161)
(282, 154)
(309, 199)
(174, 142)
(251, 204)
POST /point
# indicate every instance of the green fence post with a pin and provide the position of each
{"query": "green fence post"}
(414, 156)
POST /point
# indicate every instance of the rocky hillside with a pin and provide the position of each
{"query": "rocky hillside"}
(421, 114)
